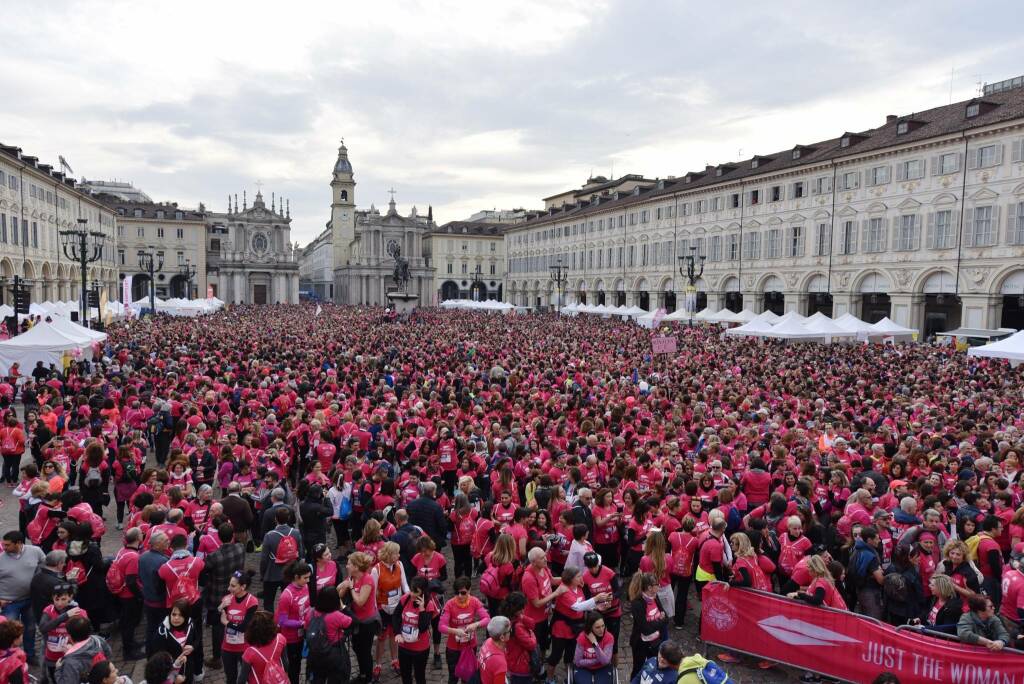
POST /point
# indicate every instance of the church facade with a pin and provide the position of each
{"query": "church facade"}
(250, 258)
(365, 242)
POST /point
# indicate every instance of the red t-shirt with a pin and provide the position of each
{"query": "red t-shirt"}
(414, 638)
(536, 585)
(259, 657)
(431, 569)
(492, 663)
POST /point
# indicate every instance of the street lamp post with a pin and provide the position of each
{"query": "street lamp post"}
(151, 263)
(559, 276)
(78, 247)
(478, 279)
(188, 271)
(688, 268)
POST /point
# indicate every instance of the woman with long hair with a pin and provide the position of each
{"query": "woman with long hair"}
(649, 619)
(504, 560)
(822, 590)
(389, 578)
(656, 562)
(947, 605)
(606, 527)
(334, 666)
(266, 653)
(594, 651)
(461, 617)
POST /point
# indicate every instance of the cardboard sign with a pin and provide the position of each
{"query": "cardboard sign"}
(663, 345)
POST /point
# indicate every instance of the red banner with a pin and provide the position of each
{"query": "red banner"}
(844, 645)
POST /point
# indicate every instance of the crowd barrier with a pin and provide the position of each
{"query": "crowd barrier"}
(843, 645)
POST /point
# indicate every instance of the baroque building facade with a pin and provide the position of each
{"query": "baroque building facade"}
(363, 243)
(920, 219)
(249, 255)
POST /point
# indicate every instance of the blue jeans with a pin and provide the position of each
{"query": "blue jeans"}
(22, 610)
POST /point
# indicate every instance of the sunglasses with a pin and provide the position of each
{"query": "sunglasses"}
(464, 592)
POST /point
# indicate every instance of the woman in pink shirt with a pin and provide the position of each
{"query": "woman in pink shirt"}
(363, 601)
(336, 668)
(290, 616)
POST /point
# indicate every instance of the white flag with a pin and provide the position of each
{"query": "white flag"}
(319, 310)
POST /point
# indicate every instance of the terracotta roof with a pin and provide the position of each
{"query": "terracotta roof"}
(149, 209)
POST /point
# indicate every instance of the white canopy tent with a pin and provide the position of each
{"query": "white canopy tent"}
(43, 342)
(768, 316)
(753, 328)
(73, 330)
(887, 328)
(793, 329)
(850, 322)
(828, 327)
(1010, 348)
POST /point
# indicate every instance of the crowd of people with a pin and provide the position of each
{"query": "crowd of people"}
(487, 494)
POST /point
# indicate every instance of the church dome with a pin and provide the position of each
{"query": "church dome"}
(342, 165)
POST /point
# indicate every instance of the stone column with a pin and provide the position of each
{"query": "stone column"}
(845, 303)
(981, 310)
(796, 301)
(907, 310)
(753, 300)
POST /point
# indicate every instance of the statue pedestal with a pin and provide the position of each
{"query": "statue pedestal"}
(403, 303)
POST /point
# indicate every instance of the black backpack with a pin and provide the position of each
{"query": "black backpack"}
(316, 642)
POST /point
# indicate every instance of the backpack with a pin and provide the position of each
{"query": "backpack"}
(131, 473)
(116, 580)
(490, 586)
(345, 507)
(183, 587)
(317, 645)
(894, 588)
(706, 671)
(789, 556)
(287, 549)
(733, 520)
(972, 547)
(273, 671)
(93, 478)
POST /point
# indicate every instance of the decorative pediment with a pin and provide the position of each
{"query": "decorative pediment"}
(774, 221)
(753, 224)
(847, 211)
(948, 198)
(876, 207)
(797, 218)
(821, 214)
(909, 204)
(984, 194)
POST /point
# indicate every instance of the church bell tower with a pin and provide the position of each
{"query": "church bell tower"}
(343, 217)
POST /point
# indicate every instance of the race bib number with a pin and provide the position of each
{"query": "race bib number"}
(410, 633)
(393, 597)
(234, 637)
(57, 643)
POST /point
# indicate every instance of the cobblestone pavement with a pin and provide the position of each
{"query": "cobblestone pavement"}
(744, 672)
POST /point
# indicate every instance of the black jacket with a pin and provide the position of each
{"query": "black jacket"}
(428, 515)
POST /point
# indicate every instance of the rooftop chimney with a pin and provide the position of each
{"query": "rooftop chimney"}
(890, 118)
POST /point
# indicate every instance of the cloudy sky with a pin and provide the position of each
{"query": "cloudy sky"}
(467, 105)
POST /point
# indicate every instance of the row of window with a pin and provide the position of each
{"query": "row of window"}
(985, 156)
(870, 235)
(465, 269)
(24, 234)
(160, 256)
(479, 246)
(160, 213)
(140, 231)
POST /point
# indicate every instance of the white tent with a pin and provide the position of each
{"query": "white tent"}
(681, 315)
(43, 342)
(753, 328)
(634, 312)
(647, 320)
(850, 322)
(744, 316)
(790, 316)
(73, 330)
(571, 309)
(768, 316)
(1011, 348)
(703, 314)
(890, 329)
(817, 316)
(828, 327)
(792, 330)
(723, 316)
